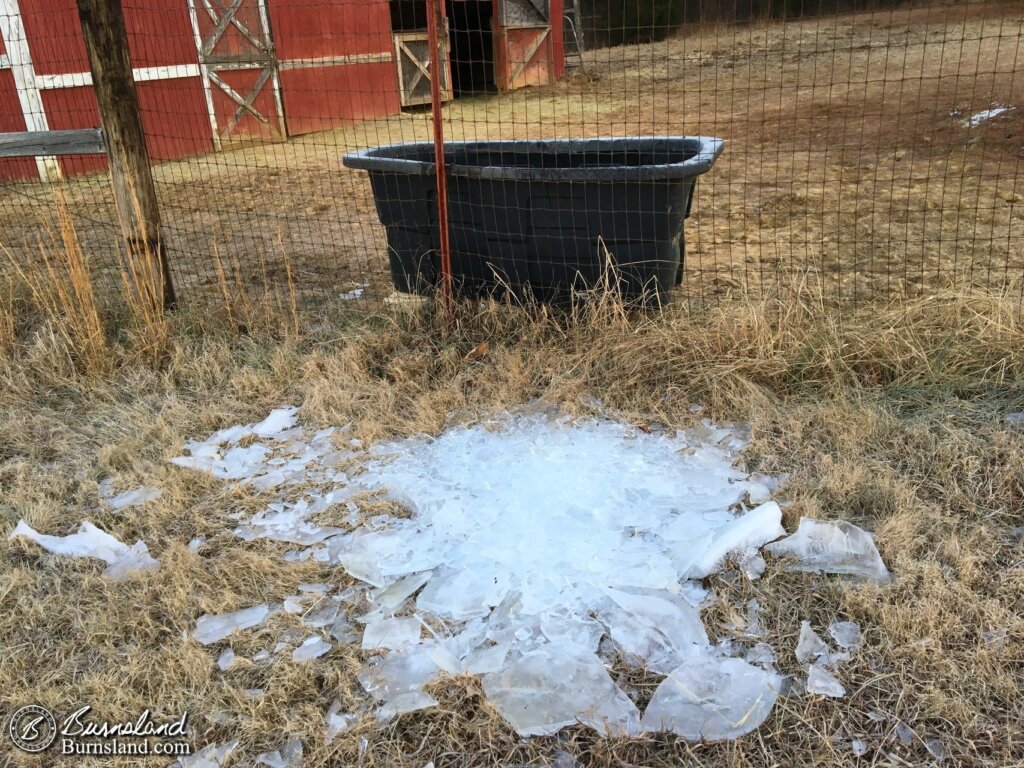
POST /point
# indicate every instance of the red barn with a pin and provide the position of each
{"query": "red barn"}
(213, 74)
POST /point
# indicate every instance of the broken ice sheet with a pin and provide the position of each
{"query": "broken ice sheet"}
(752, 529)
(526, 532)
(210, 756)
(935, 749)
(995, 638)
(823, 682)
(832, 547)
(338, 722)
(846, 634)
(762, 655)
(659, 629)
(89, 541)
(809, 646)
(712, 698)
(754, 626)
(213, 627)
(222, 455)
(397, 681)
(555, 686)
(134, 498)
(391, 597)
(325, 613)
(312, 648)
(395, 634)
(289, 756)
(752, 564)
(227, 659)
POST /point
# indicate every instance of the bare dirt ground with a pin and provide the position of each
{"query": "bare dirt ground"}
(847, 157)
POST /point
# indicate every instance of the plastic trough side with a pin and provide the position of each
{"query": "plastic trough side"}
(539, 218)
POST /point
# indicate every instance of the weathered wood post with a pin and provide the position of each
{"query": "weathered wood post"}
(106, 40)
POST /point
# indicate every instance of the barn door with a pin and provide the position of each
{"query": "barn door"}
(412, 52)
(239, 69)
(525, 49)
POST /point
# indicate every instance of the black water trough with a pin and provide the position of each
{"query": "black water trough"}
(541, 219)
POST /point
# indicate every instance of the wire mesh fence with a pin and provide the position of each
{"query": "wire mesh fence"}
(875, 147)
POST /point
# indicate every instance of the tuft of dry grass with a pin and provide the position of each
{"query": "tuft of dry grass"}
(263, 308)
(62, 291)
(8, 322)
(892, 417)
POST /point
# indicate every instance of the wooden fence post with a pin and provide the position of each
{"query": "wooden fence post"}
(106, 40)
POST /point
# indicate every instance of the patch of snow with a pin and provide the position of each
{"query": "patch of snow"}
(985, 115)
(355, 293)
(859, 747)
(89, 541)
(832, 547)
(211, 628)
(134, 498)
(196, 544)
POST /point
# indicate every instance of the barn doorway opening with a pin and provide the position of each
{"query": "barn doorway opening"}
(472, 46)
(470, 35)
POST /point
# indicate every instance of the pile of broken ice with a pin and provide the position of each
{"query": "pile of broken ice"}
(537, 549)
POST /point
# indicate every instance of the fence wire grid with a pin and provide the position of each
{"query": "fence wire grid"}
(875, 146)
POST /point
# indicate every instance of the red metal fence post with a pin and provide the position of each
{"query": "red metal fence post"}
(435, 23)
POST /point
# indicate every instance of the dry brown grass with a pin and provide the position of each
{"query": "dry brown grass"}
(8, 329)
(62, 288)
(891, 418)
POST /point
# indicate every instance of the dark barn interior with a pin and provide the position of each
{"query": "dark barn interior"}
(470, 34)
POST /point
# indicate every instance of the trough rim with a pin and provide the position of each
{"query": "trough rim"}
(708, 150)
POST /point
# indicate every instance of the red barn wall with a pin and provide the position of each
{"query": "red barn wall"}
(337, 62)
(335, 59)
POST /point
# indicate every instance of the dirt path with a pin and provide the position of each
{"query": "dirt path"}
(848, 156)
